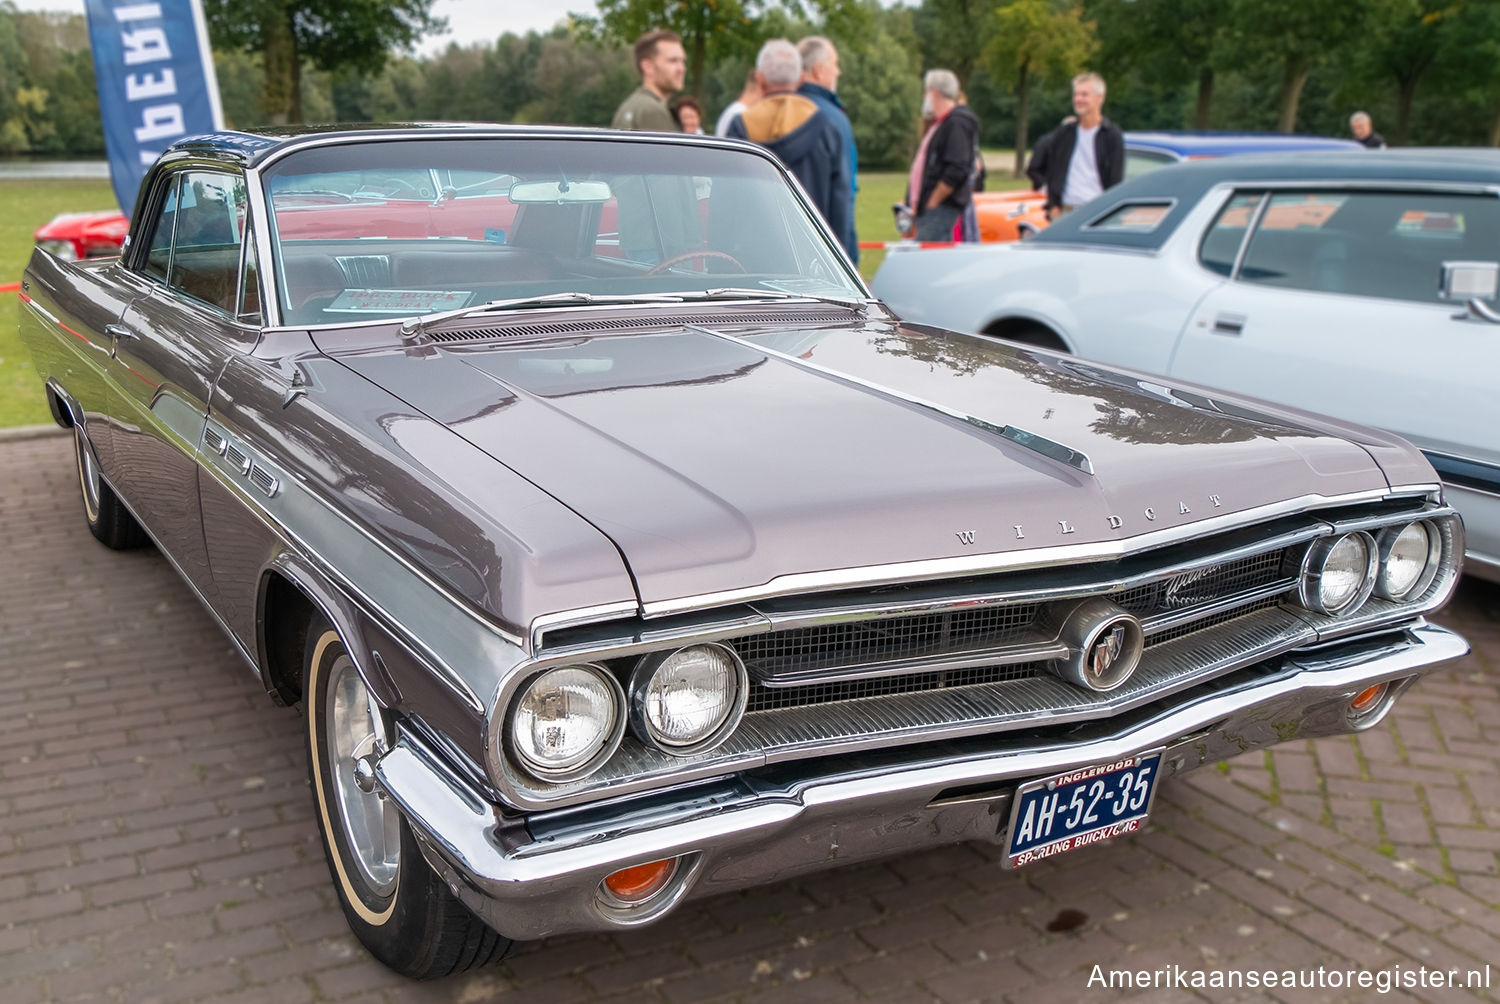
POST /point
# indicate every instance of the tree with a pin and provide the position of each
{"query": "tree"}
(1407, 39)
(1304, 33)
(1037, 39)
(1173, 43)
(879, 90)
(711, 30)
(332, 34)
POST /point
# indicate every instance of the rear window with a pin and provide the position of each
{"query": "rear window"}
(1133, 217)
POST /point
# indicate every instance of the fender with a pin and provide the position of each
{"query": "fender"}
(336, 608)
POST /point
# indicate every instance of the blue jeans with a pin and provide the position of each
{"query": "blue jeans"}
(937, 224)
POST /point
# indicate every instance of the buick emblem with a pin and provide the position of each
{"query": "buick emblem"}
(1104, 643)
(1107, 650)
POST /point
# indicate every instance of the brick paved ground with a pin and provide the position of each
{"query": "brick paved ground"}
(157, 840)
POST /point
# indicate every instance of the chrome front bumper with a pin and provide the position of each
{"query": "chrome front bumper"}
(544, 878)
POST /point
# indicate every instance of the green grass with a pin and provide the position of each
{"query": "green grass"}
(878, 190)
(24, 206)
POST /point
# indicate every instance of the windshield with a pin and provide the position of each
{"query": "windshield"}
(401, 229)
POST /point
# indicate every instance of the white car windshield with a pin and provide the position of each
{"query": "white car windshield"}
(414, 227)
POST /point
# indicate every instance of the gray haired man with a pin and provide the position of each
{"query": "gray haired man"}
(800, 133)
(939, 183)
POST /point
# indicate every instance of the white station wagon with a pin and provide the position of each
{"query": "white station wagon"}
(1334, 282)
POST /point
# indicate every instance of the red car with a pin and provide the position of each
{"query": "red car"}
(72, 236)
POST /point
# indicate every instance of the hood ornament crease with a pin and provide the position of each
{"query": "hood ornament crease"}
(1052, 450)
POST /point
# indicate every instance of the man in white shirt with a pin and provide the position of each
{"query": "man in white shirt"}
(748, 96)
(1086, 156)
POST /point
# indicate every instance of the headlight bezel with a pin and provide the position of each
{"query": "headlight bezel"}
(1386, 541)
(643, 675)
(594, 760)
(1315, 566)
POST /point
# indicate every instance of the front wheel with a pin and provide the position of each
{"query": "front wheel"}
(395, 903)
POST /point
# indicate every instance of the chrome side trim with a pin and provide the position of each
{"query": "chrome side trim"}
(1037, 557)
(441, 671)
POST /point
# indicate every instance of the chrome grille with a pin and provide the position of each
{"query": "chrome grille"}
(764, 698)
(853, 660)
(803, 650)
(1202, 585)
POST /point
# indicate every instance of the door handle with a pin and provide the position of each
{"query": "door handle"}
(1229, 324)
(120, 333)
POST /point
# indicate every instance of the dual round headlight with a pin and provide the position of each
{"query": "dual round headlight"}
(1339, 573)
(567, 721)
(689, 700)
(1409, 558)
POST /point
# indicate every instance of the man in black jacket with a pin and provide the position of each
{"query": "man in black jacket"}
(945, 160)
(1080, 159)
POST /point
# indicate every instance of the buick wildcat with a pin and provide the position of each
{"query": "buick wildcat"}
(618, 548)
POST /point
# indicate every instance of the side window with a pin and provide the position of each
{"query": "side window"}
(159, 256)
(1375, 244)
(249, 301)
(1141, 161)
(206, 248)
(1221, 245)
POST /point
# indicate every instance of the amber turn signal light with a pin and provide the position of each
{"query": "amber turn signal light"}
(1367, 698)
(640, 882)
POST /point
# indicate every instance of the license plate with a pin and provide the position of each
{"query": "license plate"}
(1081, 807)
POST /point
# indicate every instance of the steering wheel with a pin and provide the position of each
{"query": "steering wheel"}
(393, 188)
(678, 259)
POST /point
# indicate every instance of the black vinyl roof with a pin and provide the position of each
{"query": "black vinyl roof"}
(252, 147)
(1187, 183)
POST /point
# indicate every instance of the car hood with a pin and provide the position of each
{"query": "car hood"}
(728, 461)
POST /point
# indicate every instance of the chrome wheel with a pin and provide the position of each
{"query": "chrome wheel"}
(356, 736)
(88, 475)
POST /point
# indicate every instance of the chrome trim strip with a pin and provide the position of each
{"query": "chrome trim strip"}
(1059, 453)
(30, 301)
(1177, 618)
(1037, 557)
(543, 623)
(1255, 217)
(378, 613)
(1000, 655)
(780, 621)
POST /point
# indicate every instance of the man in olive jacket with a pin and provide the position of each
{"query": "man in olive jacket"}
(800, 133)
(662, 63)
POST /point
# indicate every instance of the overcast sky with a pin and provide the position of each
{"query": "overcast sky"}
(469, 21)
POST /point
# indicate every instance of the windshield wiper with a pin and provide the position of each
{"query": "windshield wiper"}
(416, 325)
(750, 293)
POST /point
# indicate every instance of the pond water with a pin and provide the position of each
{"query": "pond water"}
(11, 170)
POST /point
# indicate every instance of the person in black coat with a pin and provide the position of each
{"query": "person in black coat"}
(944, 165)
(1072, 172)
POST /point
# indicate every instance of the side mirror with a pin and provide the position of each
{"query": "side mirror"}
(1469, 280)
(1474, 282)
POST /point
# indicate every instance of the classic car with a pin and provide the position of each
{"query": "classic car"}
(1012, 215)
(1317, 281)
(83, 235)
(624, 550)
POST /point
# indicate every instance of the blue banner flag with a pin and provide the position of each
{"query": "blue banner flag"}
(156, 83)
